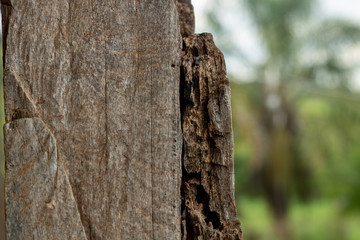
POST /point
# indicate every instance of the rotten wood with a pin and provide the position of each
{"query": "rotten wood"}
(112, 132)
(208, 207)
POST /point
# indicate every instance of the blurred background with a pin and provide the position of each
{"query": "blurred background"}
(294, 67)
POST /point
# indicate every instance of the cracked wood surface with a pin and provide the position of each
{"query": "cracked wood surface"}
(209, 210)
(93, 132)
(38, 193)
(93, 138)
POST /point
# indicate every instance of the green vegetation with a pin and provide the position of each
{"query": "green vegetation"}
(320, 219)
(329, 136)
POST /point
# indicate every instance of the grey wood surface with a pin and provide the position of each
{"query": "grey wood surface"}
(93, 119)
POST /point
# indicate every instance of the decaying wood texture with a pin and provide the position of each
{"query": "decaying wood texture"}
(186, 17)
(209, 210)
(113, 130)
(208, 207)
(93, 136)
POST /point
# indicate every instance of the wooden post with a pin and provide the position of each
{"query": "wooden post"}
(94, 132)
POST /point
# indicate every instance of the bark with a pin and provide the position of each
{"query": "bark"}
(208, 210)
(93, 104)
(208, 184)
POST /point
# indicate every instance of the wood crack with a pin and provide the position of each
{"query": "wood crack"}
(58, 159)
(6, 3)
(76, 204)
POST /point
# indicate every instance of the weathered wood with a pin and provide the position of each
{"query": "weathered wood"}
(93, 137)
(186, 17)
(94, 144)
(39, 193)
(208, 208)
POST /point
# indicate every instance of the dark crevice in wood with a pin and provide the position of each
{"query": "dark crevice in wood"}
(212, 217)
(6, 2)
(6, 10)
(185, 91)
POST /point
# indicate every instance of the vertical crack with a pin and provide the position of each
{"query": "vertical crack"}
(6, 12)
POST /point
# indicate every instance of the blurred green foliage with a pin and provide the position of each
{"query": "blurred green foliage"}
(318, 219)
(328, 140)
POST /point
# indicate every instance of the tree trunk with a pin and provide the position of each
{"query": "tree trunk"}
(94, 134)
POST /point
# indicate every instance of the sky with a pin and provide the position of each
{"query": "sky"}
(348, 9)
(236, 18)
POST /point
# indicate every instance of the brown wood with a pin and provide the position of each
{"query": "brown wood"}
(93, 137)
(209, 210)
(112, 132)
(208, 204)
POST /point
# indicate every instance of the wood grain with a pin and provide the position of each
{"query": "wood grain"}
(103, 77)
